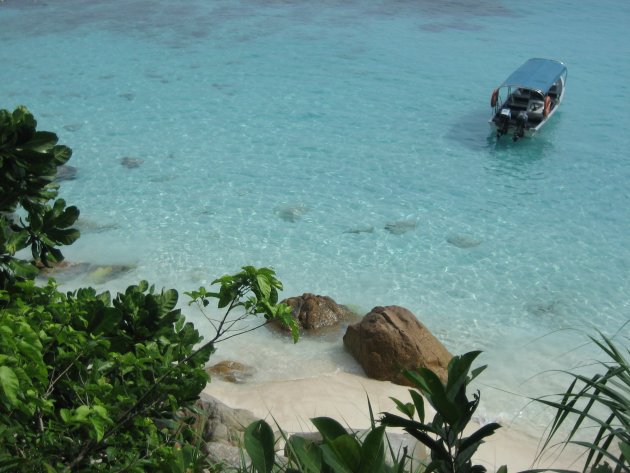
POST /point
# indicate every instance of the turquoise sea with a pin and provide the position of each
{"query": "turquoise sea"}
(346, 145)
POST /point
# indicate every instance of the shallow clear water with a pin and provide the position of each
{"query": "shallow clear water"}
(269, 131)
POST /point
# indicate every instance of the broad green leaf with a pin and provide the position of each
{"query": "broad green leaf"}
(63, 236)
(68, 217)
(225, 297)
(81, 413)
(101, 411)
(329, 428)
(62, 154)
(169, 301)
(373, 451)
(65, 415)
(17, 241)
(417, 430)
(347, 450)
(418, 401)
(307, 454)
(9, 384)
(103, 320)
(24, 118)
(35, 220)
(479, 435)
(476, 372)
(263, 286)
(406, 408)
(436, 394)
(333, 461)
(458, 369)
(98, 425)
(41, 141)
(259, 444)
(23, 269)
(30, 351)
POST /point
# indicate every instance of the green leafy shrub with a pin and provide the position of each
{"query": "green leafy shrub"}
(250, 292)
(89, 384)
(339, 451)
(451, 451)
(28, 165)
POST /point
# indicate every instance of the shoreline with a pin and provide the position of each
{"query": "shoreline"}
(343, 396)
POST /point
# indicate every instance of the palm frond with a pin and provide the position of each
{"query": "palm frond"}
(600, 402)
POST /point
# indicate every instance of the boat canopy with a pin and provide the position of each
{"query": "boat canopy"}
(536, 74)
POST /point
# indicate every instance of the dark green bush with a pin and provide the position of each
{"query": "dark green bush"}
(451, 451)
(28, 165)
(89, 384)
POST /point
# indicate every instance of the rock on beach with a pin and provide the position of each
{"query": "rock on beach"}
(390, 339)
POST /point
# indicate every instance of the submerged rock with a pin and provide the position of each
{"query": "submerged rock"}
(127, 95)
(102, 274)
(463, 241)
(401, 226)
(73, 127)
(544, 308)
(65, 270)
(291, 213)
(231, 371)
(90, 226)
(95, 274)
(364, 229)
(66, 173)
(131, 162)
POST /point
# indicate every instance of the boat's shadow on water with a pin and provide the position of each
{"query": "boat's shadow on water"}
(505, 156)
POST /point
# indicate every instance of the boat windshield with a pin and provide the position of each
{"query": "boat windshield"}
(536, 74)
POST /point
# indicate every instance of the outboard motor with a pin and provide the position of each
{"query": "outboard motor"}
(521, 123)
(503, 122)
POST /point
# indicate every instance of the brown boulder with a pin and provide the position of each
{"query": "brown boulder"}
(316, 313)
(390, 339)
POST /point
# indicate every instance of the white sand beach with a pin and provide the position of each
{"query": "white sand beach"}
(343, 396)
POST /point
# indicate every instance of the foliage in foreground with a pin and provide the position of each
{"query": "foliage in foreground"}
(28, 166)
(88, 383)
(596, 409)
(79, 378)
(451, 451)
(341, 451)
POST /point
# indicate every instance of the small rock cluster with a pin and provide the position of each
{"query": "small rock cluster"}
(384, 342)
(221, 428)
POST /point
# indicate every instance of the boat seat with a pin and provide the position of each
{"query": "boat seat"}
(520, 95)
